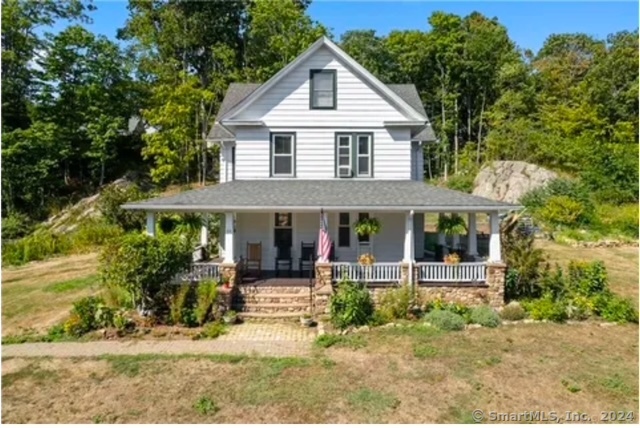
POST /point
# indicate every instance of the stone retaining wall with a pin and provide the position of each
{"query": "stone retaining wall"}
(491, 293)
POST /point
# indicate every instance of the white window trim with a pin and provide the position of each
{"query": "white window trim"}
(350, 147)
(368, 155)
(292, 154)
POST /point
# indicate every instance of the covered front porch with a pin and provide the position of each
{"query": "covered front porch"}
(283, 216)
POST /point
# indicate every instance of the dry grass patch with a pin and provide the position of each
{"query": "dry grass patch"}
(621, 263)
(40, 294)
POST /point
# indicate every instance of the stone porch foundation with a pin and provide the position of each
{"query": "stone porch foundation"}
(490, 293)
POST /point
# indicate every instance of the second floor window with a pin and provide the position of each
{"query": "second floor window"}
(323, 89)
(354, 155)
(283, 160)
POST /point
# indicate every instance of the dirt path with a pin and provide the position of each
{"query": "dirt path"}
(278, 340)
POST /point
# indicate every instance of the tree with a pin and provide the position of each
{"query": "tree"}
(371, 52)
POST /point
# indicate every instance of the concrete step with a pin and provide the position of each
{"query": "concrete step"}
(271, 316)
(273, 298)
(273, 307)
(288, 289)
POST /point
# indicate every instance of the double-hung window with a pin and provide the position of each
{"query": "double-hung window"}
(322, 89)
(283, 160)
(344, 230)
(354, 155)
(282, 230)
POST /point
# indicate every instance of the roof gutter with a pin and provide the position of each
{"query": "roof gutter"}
(314, 208)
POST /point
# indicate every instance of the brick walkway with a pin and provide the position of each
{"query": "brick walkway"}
(265, 339)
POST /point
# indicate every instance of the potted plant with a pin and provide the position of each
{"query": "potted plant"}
(230, 317)
(366, 259)
(367, 226)
(452, 259)
(226, 282)
(306, 320)
(452, 225)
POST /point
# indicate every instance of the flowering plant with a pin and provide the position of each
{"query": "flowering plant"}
(452, 259)
(366, 259)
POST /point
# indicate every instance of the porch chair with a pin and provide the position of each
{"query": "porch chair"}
(307, 256)
(253, 263)
(284, 260)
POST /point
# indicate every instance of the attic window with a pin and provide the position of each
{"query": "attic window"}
(323, 89)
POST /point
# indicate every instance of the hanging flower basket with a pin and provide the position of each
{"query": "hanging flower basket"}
(452, 225)
(367, 226)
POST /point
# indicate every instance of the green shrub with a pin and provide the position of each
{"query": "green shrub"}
(179, 310)
(579, 308)
(213, 330)
(92, 233)
(613, 308)
(547, 308)
(587, 278)
(38, 246)
(207, 296)
(562, 211)
(113, 197)
(485, 316)
(89, 313)
(513, 312)
(461, 182)
(16, 226)
(524, 261)
(395, 304)
(122, 321)
(439, 304)
(614, 219)
(351, 305)
(445, 320)
(572, 189)
(139, 268)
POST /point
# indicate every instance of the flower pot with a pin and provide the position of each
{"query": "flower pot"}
(306, 322)
(230, 319)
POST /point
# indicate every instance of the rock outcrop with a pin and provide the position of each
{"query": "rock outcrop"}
(508, 181)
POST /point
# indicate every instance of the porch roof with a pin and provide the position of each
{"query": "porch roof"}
(314, 195)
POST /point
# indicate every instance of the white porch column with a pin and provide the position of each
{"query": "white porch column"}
(442, 239)
(472, 237)
(409, 243)
(204, 231)
(151, 224)
(229, 238)
(494, 241)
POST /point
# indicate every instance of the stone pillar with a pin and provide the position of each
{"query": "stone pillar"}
(496, 273)
(229, 270)
(151, 224)
(323, 287)
(494, 240)
(229, 239)
(472, 237)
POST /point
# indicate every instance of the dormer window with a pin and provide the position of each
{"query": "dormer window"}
(323, 89)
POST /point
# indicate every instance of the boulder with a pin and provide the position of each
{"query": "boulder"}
(508, 181)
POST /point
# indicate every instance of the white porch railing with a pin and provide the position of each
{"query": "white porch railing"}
(377, 272)
(462, 272)
(200, 271)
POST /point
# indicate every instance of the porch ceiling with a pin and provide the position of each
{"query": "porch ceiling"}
(314, 195)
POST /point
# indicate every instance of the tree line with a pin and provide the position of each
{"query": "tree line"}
(68, 98)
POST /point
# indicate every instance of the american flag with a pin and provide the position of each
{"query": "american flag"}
(324, 247)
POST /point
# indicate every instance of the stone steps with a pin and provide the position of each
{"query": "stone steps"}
(272, 307)
(273, 298)
(272, 316)
(293, 289)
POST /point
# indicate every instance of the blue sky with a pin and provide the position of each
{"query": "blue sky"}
(528, 23)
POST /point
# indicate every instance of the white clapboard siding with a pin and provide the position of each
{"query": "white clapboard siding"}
(315, 152)
(287, 103)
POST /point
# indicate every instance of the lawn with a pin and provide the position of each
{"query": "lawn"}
(39, 294)
(398, 375)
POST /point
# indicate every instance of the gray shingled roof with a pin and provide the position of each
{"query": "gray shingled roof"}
(239, 91)
(300, 195)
